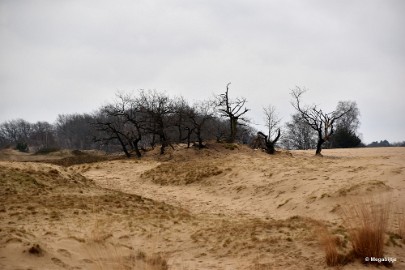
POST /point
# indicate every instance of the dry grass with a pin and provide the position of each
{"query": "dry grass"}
(330, 248)
(80, 159)
(367, 223)
(110, 257)
(333, 246)
(108, 254)
(231, 146)
(56, 196)
(255, 237)
(366, 186)
(181, 173)
(401, 225)
(58, 193)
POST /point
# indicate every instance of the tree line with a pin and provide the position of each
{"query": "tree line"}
(135, 122)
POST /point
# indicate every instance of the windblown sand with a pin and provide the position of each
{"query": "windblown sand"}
(214, 208)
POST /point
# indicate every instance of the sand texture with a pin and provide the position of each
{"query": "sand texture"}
(223, 207)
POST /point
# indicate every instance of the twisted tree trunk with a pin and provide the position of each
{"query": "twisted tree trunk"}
(270, 143)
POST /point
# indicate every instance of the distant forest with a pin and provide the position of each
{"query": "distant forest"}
(134, 123)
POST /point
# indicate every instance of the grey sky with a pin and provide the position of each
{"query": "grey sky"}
(72, 56)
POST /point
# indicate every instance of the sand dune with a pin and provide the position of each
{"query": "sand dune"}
(211, 209)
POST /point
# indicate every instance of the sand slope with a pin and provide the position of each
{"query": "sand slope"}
(211, 209)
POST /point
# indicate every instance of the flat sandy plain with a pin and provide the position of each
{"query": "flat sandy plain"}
(224, 207)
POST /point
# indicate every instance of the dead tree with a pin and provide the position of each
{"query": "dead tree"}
(321, 122)
(233, 110)
(268, 143)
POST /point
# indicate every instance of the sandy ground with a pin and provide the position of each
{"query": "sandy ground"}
(211, 209)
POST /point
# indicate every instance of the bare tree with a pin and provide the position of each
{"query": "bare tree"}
(298, 134)
(4, 140)
(321, 122)
(74, 131)
(158, 107)
(127, 106)
(217, 127)
(271, 122)
(43, 135)
(271, 119)
(199, 115)
(112, 127)
(181, 109)
(9, 131)
(124, 121)
(233, 110)
(17, 132)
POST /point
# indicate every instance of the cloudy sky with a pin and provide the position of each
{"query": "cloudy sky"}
(59, 57)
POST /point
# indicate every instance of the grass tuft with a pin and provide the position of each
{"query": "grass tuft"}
(367, 223)
(333, 247)
(330, 248)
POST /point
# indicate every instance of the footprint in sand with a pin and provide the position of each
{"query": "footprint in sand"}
(59, 263)
(64, 252)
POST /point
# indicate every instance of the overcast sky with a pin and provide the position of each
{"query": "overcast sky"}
(59, 57)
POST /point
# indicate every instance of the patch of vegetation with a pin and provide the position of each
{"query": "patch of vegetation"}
(22, 147)
(30, 182)
(28, 192)
(231, 146)
(181, 173)
(333, 246)
(78, 153)
(82, 158)
(366, 224)
(155, 262)
(46, 150)
(233, 237)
